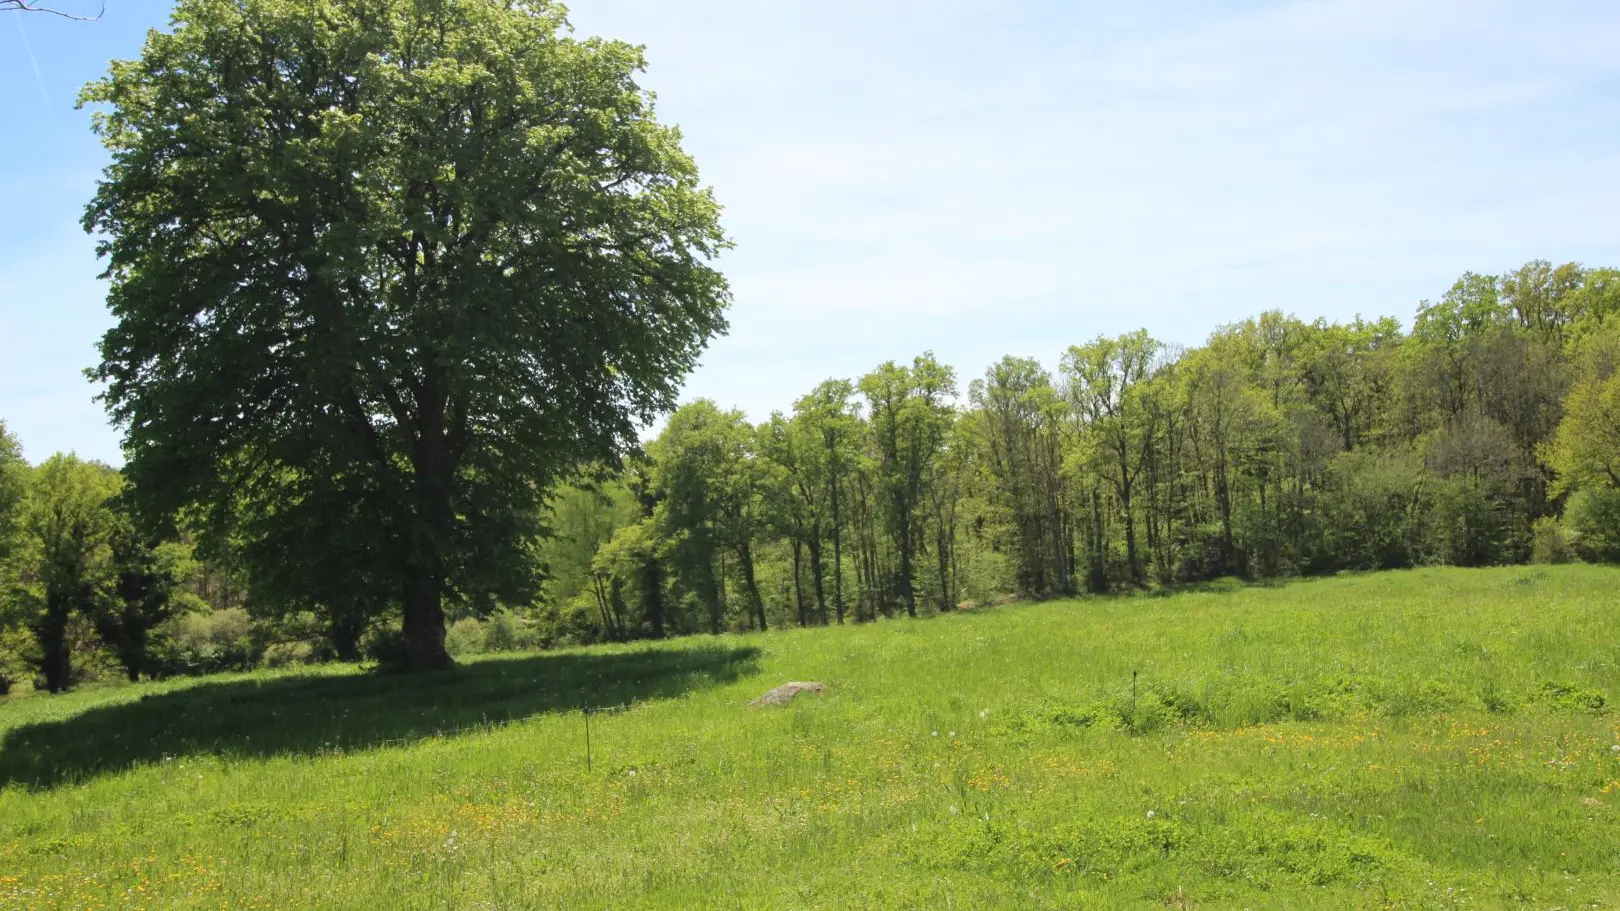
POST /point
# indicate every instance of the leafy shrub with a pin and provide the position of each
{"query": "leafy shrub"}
(464, 637)
(577, 621)
(1549, 543)
(208, 643)
(1469, 525)
(16, 658)
(501, 632)
(288, 654)
(387, 649)
(1372, 509)
(1593, 518)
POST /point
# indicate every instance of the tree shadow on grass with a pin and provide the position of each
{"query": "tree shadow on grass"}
(1225, 585)
(304, 715)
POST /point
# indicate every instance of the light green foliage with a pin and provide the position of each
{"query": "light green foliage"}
(63, 568)
(910, 421)
(1595, 302)
(1018, 427)
(1426, 739)
(383, 273)
(1592, 517)
(831, 422)
(709, 483)
(582, 519)
(14, 639)
(1550, 542)
(619, 578)
(464, 637)
(209, 642)
(1349, 372)
(501, 633)
(1586, 450)
(1538, 294)
(1106, 384)
(13, 487)
(1279, 447)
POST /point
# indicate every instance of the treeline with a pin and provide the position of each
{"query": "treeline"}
(78, 576)
(1489, 433)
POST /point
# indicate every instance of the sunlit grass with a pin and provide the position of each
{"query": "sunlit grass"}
(1440, 738)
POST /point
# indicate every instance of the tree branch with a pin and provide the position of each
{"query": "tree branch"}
(30, 6)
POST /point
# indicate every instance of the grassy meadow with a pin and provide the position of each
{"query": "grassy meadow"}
(1428, 739)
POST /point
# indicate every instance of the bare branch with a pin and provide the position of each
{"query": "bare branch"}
(32, 6)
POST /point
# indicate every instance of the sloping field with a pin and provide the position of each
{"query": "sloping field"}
(1439, 738)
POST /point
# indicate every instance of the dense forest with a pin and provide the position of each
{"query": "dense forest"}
(1487, 434)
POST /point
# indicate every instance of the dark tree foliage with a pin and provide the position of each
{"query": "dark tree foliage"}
(383, 272)
(148, 579)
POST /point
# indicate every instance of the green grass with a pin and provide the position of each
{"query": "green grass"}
(1430, 739)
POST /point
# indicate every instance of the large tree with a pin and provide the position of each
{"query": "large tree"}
(1021, 436)
(709, 484)
(148, 588)
(414, 259)
(1105, 382)
(64, 560)
(911, 418)
(829, 415)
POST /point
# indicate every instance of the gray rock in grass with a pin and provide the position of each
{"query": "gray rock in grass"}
(784, 693)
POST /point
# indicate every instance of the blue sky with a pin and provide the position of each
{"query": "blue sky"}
(984, 178)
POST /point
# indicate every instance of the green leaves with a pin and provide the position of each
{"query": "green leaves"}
(13, 485)
(1585, 451)
(63, 565)
(389, 270)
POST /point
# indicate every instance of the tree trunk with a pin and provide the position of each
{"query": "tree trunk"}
(344, 631)
(745, 554)
(1131, 557)
(1223, 501)
(56, 661)
(652, 595)
(619, 609)
(1099, 545)
(434, 470)
(132, 651)
(717, 604)
(907, 590)
(602, 606)
(838, 558)
(1060, 567)
(816, 571)
(798, 583)
(423, 623)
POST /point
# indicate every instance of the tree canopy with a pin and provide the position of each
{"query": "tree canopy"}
(383, 272)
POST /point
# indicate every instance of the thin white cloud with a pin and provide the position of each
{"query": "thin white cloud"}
(1034, 176)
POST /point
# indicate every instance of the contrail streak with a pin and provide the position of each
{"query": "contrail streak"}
(32, 59)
